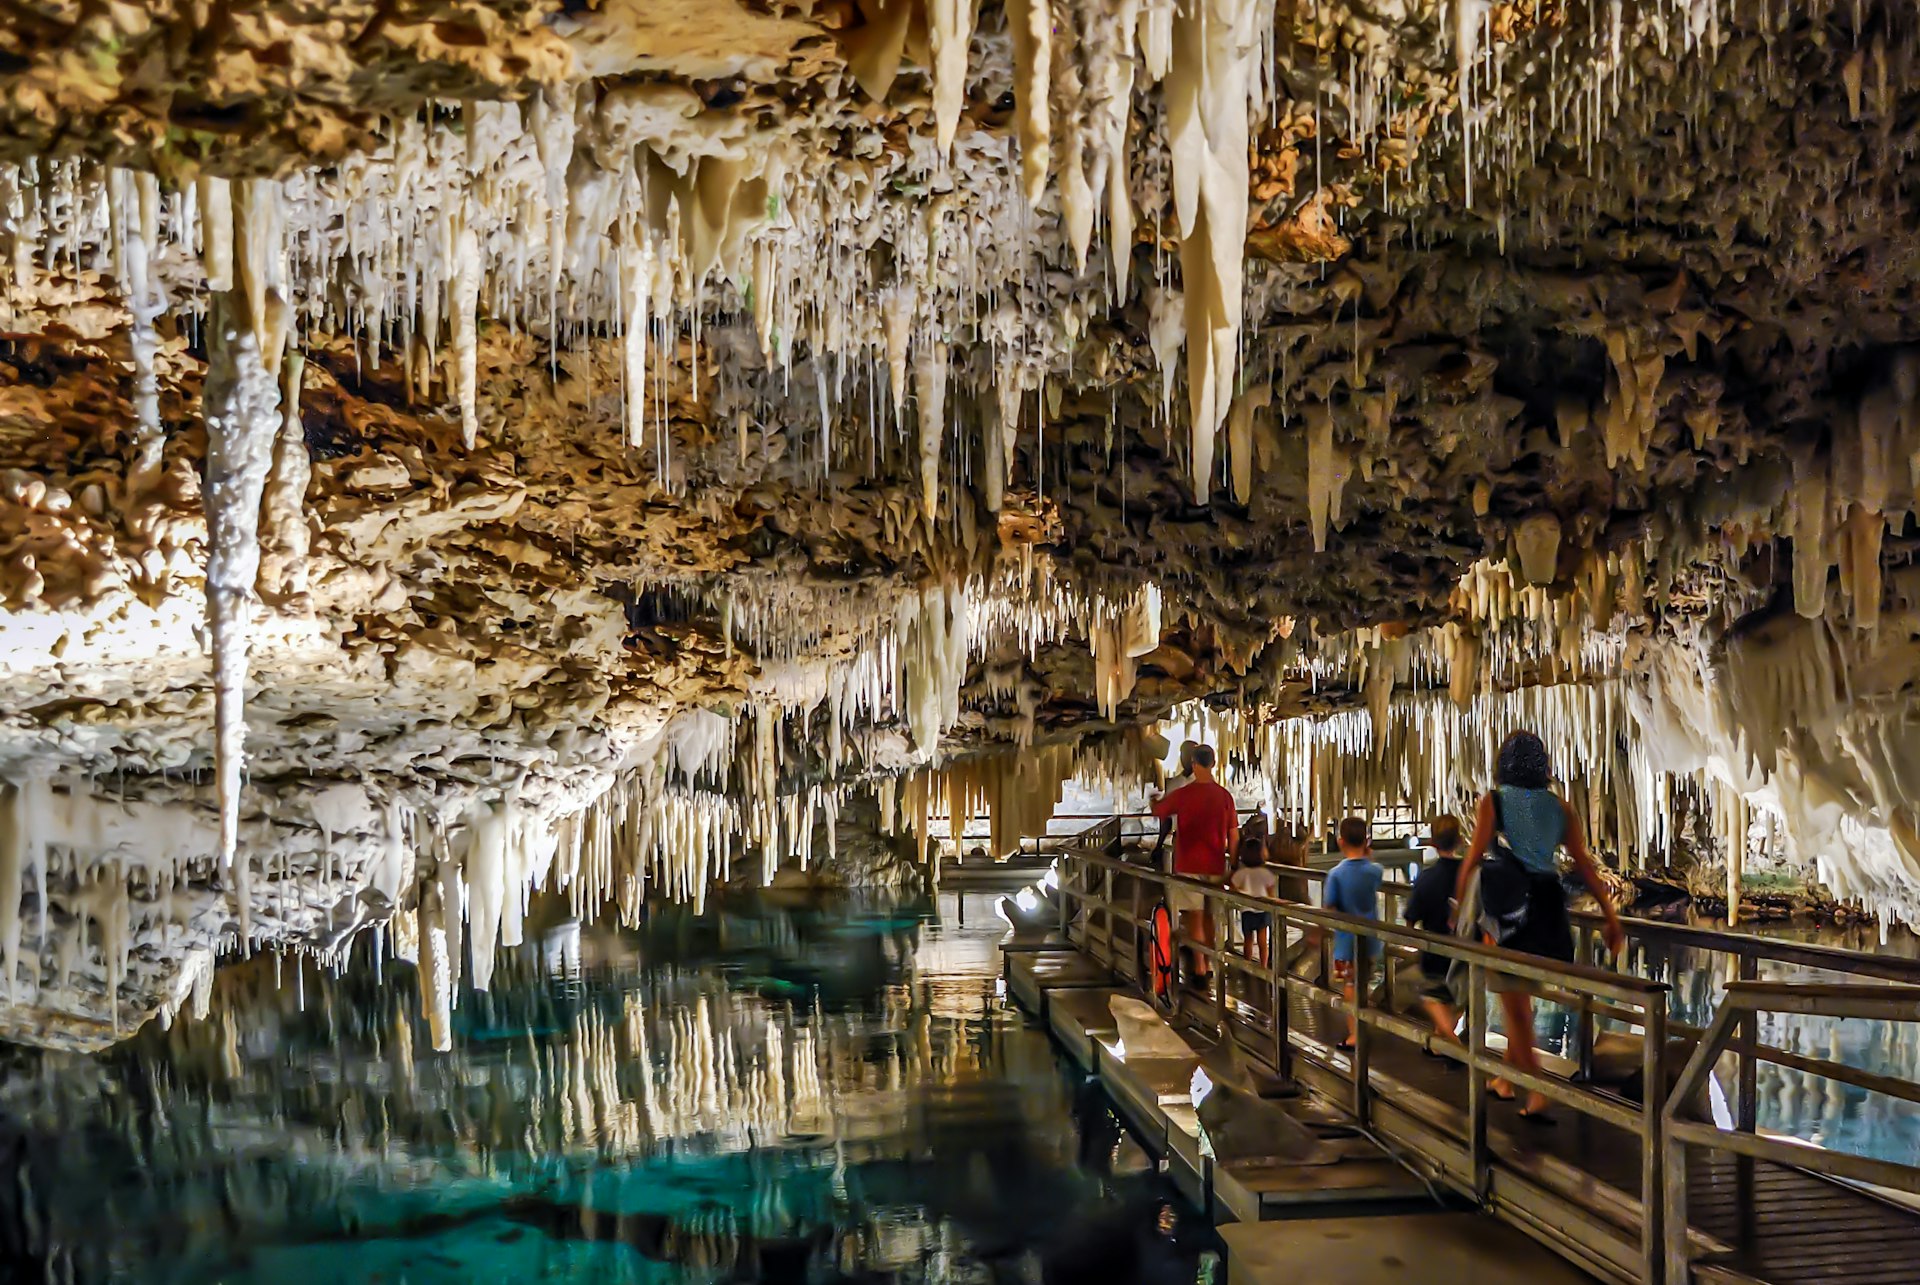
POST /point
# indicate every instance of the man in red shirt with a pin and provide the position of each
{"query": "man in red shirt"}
(1206, 830)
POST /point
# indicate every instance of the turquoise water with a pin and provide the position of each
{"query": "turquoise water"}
(830, 1092)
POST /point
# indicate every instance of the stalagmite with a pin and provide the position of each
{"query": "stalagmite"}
(241, 407)
(19, 839)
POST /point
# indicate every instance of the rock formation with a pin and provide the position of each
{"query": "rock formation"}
(458, 447)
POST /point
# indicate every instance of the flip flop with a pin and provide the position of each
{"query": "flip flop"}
(1539, 1119)
(1508, 1096)
(1345, 1046)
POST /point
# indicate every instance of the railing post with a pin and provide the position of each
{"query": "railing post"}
(1477, 1168)
(1744, 1043)
(1221, 1029)
(1060, 894)
(1747, 1111)
(1362, 1033)
(1583, 1019)
(1654, 1194)
(1139, 886)
(1106, 910)
(1277, 1015)
(1674, 1213)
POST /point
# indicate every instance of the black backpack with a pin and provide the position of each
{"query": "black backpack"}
(1505, 884)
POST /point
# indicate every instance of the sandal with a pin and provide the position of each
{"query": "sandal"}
(1345, 1046)
(1508, 1096)
(1540, 1119)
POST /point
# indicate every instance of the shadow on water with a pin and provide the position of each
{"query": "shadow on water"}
(820, 1090)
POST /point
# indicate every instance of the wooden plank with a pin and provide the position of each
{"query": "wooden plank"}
(1373, 1251)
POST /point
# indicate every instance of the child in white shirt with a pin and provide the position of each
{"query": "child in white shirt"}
(1253, 879)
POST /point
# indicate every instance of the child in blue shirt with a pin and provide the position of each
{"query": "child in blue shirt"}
(1353, 888)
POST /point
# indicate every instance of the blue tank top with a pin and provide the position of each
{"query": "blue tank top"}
(1535, 823)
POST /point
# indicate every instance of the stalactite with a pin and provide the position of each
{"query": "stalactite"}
(283, 509)
(241, 406)
(466, 330)
(949, 32)
(1030, 24)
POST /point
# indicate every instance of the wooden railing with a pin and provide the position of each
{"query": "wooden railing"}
(1088, 881)
(1110, 929)
(1733, 1028)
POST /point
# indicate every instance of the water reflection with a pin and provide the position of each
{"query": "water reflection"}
(782, 1093)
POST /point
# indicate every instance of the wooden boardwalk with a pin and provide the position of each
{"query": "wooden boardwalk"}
(1753, 1219)
(1575, 1186)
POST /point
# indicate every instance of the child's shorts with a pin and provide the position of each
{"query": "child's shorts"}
(1255, 921)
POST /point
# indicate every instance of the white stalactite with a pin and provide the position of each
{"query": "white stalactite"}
(1030, 24)
(241, 407)
(949, 32)
(1215, 48)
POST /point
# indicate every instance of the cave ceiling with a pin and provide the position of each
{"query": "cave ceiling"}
(653, 357)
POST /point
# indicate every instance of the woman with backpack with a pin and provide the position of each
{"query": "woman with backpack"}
(1518, 831)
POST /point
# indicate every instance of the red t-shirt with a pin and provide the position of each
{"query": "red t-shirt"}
(1205, 816)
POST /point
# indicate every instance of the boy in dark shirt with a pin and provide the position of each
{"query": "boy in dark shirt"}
(1430, 906)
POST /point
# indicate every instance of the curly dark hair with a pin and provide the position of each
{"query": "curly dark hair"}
(1523, 763)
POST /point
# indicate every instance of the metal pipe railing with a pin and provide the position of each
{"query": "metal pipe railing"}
(1738, 1012)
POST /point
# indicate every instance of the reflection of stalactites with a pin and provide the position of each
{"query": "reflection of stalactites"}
(436, 970)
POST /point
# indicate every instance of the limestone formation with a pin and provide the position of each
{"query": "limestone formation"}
(463, 449)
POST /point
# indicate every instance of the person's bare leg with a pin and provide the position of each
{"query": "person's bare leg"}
(1518, 1007)
(1446, 1022)
(1353, 1020)
(1193, 925)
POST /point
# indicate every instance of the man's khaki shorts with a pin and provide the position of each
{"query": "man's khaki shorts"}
(1182, 898)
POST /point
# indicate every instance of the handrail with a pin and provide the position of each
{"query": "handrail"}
(1743, 1002)
(1516, 963)
(1807, 955)
(1750, 951)
(1648, 997)
(1893, 996)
